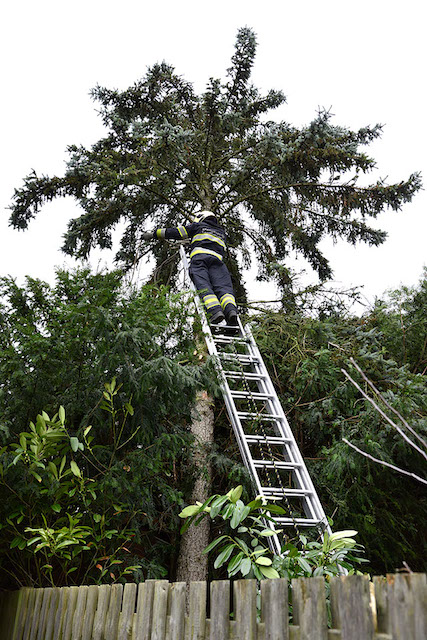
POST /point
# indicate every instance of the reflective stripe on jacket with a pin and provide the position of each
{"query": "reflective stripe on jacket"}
(205, 238)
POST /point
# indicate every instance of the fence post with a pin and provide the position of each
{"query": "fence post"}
(144, 610)
(220, 610)
(197, 611)
(245, 609)
(61, 613)
(51, 613)
(115, 604)
(89, 616)
(274, 608)
(21, 611)
(79, 612)
(177, 593)
(309, 608)
(103, 601)
(354, 610)
(41, 627)
(128, 608)
(160, 608)
(29, 614)
(35, 615)
(381, 602)
(407, 604)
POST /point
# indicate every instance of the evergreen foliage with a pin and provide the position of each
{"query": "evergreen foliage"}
(305, 356)
(62, 344)
(276, 188)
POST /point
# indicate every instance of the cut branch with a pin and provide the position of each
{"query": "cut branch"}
(380, 411)
(385, 464)
(373, 387)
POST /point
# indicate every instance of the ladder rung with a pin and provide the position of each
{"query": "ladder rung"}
(302, 522)
(242, 357)
(256, 395)
(289, 493)
(229, 339)
(261, 416)
(259, 464)
(268, 439)
(238, 375)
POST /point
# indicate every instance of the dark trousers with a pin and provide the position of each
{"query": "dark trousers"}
(213, 281)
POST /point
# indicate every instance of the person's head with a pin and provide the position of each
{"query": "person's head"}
(205, 215)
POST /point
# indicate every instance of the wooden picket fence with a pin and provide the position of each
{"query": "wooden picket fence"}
(391, 608)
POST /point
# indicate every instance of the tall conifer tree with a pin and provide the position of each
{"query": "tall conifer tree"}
(168, 151)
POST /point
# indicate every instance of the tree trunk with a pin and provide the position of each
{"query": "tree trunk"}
(192, 565)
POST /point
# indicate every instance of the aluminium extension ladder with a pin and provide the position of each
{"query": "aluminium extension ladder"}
(266, 442)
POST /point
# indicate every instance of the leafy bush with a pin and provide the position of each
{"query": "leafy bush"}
(60, 524)
(244, 548)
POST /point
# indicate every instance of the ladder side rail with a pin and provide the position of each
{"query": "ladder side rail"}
(284, 426)
(312, 502)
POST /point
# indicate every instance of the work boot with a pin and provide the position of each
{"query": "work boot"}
(232, 323)
(217, 317)
(232, 319)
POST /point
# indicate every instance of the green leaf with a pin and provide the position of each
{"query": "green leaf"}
(224, 555)
(53, 470)
(129, 408)
(86, 431)
(236, 493)
(341, 544)
(267, 532)
(56, 507)
(234, 563)
(245, 566)
(75, 469)
(243, 545)
(274, 508)
(213, 544)
(191, 510)
(217, 505)
(269, 572)
(257, 572)
(62, 465)
(347, 533)
(15, 542)
(255, 504)
(61, 413)
(262, 560)
(304, 564)
(74, 442)
(239, 515)
(228, 511)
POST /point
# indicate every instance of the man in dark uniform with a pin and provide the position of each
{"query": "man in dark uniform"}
(207, 269)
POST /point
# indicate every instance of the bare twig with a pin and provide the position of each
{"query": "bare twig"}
(385, 464)
(373, 387)
(389, 420)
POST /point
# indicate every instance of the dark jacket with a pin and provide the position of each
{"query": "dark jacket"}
(206, 237)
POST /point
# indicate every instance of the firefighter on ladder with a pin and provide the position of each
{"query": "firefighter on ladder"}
(207, 269)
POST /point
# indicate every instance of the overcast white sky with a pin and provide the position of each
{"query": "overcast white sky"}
(365, 60)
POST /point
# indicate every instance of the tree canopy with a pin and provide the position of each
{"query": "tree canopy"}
(168, 152)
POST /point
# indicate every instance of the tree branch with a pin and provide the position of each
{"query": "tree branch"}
(385, 464)
(389, 420)
(373, 387)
